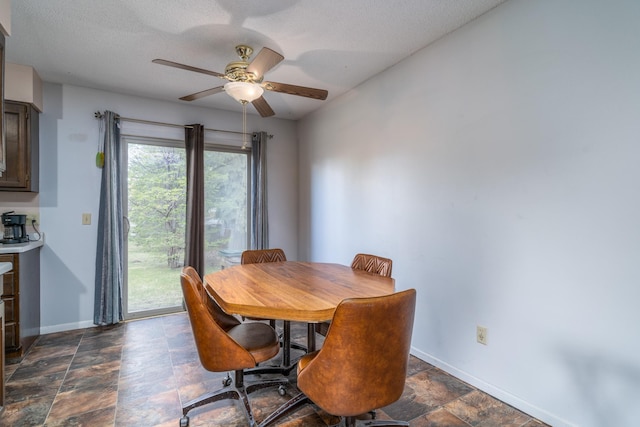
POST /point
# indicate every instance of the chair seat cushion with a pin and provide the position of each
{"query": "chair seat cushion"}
(260, 339)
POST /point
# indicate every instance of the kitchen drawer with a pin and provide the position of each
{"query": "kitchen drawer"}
(8, 285)
(11, 342)
(9, 309)
(9, 279)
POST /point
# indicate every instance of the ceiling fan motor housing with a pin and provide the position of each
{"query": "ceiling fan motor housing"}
(236, 71)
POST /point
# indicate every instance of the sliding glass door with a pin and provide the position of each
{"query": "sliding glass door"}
(226, 207)
(156, 208)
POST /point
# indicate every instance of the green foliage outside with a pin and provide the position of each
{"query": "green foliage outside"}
(152, 284)
(157, 218)
(157, 201)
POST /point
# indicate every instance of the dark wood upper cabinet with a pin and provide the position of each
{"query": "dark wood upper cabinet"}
(21, 126)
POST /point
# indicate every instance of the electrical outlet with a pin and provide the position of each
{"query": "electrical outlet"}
(481, 335)
(33, 217)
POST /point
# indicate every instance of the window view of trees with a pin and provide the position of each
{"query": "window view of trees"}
(156, 185)
(157, 201)
(225, 206)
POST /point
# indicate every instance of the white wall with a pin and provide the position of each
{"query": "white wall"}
(498, 168)
(70, 185)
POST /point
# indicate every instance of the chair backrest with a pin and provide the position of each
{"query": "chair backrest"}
(193, 275)
(372, 264)
(362, 364)
(258, 256)
(223, 319)
(218, 352)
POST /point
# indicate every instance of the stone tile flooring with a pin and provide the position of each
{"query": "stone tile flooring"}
(138, 373)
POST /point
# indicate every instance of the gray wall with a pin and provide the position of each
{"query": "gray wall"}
(498, 168)
(70, 185)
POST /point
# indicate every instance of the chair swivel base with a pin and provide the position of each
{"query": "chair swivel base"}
(289, 407)
(238, 392)
(301, 399)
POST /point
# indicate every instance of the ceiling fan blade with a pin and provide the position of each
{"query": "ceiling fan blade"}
(203, 93)
(308, 92)
(187, 67)
(265, 60)
(263, 107)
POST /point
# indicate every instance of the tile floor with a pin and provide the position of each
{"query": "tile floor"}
(138, 374)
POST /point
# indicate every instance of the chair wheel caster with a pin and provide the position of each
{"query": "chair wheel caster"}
(184, 421)
(226, 382)
(282, 391)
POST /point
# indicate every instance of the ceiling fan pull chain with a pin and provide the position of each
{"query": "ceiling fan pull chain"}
(244, 125)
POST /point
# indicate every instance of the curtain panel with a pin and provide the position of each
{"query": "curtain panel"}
(109, 254)
(259, 211)
(194, 249)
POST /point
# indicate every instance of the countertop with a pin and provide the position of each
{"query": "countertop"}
(15, 248)
(5, 267)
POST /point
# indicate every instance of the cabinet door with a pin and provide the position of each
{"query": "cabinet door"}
(16, 175)
(10, 295)
(3, 156)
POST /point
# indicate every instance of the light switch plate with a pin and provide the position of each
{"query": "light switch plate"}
(86, 219)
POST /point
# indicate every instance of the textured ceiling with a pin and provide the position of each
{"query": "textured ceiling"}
(331, 44)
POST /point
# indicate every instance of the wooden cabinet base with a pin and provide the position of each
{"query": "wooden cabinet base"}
(2, 378)
(21, 297)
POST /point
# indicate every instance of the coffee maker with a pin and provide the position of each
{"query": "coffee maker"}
(14, 228)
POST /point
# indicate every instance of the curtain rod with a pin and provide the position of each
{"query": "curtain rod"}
(99, 115)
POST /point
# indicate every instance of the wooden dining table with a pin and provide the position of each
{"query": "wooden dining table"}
(292, 291)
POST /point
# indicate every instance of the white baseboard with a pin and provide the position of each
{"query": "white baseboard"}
(494, 391)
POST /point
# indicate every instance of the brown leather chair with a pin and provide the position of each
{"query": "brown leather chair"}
(362, 365)
(370, 263)
(226, 344)
(226, 321)
(257, 256)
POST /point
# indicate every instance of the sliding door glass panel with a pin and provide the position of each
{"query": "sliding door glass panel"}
(155, 205)
(155, 242)
(226, 210)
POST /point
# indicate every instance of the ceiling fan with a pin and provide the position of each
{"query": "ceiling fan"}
(246, 79)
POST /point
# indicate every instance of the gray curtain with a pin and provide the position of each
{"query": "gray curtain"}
(194, 250)
(259, 214)
(109, 254)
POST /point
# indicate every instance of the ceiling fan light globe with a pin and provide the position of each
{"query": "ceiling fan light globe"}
(243, 92)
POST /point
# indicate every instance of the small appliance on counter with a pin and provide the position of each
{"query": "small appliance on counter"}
(14, 228)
